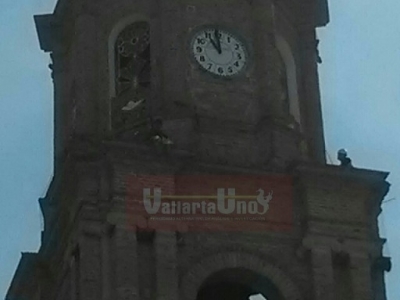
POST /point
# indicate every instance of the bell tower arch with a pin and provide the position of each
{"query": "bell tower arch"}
(113, 36)
(290, 77)
(251, 274)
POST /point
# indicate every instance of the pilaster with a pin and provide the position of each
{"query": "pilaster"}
(105, 264)
(321, 263)
(172, 45)
(361, 276)
(85, 74)
(262, 13)
(126, 269)
(311, 110)
(166, 266)
(73, 279)
(89, 267)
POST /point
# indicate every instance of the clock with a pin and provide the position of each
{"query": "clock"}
(219, 51)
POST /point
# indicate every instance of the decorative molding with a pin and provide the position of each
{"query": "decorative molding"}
(191, 282)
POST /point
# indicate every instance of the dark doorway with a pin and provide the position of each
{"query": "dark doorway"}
(225, 291)
(237, 284)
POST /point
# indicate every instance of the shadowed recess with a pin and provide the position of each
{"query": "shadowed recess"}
(238, 284)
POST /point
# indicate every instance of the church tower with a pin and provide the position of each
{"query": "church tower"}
(186, 98)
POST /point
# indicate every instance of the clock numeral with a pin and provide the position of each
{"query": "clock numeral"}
(202, 58)
(228, 39)
(237, 46)
(209, 66)
(239, 56)
(220, 70)
(236, 64)
(199, 49)
(208, 35)
(230, 70)
(201, 41)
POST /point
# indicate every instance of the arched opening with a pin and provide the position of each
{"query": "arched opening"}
(238, 284)
(115, 33)
(130, 69)
(288, 77)
(284, 99)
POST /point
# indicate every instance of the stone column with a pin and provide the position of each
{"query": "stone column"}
(263, 19)
(126, 268)
(85, 74)
(105, 264)
(173, 46)
(154, 105)
(73, 278)
(322, 273)
(310, 94)
(89, 267)
(166, 266)
(361, 276)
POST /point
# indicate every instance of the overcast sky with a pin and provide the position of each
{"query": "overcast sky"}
(360, 94)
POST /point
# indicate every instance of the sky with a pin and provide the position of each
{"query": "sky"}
(360, 89)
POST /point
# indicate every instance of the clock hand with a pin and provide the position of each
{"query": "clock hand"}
(214, 44)
(218, 41)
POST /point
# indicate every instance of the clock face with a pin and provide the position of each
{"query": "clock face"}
(219, 51)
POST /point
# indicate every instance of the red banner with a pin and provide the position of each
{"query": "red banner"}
(210, 202)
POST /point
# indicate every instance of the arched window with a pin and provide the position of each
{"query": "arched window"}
(288, 79)
(132, 54)
(132, 70)
(284, 101)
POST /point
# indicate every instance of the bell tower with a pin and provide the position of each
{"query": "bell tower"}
(187, 96)
(214, 86)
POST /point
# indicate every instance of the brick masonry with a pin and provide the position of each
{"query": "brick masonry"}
(90, 251)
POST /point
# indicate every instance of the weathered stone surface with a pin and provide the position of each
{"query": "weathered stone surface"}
(217, 126)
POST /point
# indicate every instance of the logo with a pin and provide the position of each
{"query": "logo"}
(154, 204)
(210, 202)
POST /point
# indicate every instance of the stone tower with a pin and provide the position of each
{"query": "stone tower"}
(159, 94)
